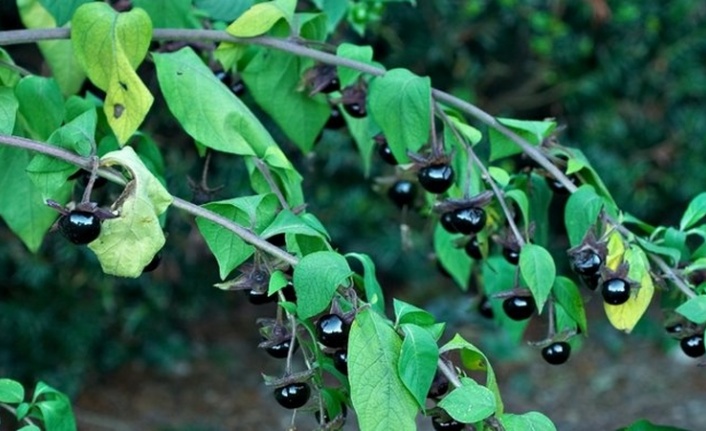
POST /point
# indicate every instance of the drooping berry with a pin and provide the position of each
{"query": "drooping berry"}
(674, 329)
(154, 263)
(281, 350)
(340, 361)
(259, 298)
(80, 227)
(511, 255)
(386, 155)
(332, 331)
(446, 425)
(469, 220)
(586, 263)
(402, 193)
(447, 223)
(293, 395)
(439, 386)
(693, 345)
(473, 250)
(436, 178)
(615, 291)
(355, 109)
(484, 308)
(519, 307)
(557, 353)
(336, 120)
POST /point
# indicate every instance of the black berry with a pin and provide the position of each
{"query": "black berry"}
(258, 298)
(469, 220)
(446, 425)
(484, 308)
(693, 345)
(519, 307)
(674, 329)
(615, 291)
(332, 331)
(473, 249)
(154, 263)
(511, 255)
(439, 386)
(402, 193)
(558, 187)
(355, 109)
(557, 353)
(591, 281)
(333, 85)
(586, 263)
(447, 222)
(238, 88)
(340, 361)
(336, 120)
(436, 178)
(293, 395)
(281, 350)
(80, 227)
(386, 155)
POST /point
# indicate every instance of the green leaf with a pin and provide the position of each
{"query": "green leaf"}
(24, 209)
(532, 421)
(379, 397)
(409, 314)
(8, 77)
(362, 131)
(694, 309)
(470, 402)
(645, 425)
(540, 199)
(260, 18)
(581, 213)
(316, 279)
(11, 391)
(335, 10)
(418, 361)
(8, 110)
(589, 176)
(373, 292)
(538, 270)
(532, 131)
(474, 359)
(62, 10)
(400, 103)
(500, 176)
(277, 282)
(110, 65)
(169, 13)
(347, 76)
(41, 105)
(252, 212)
(129, 242)
(273, 79)
(454, 260)
(520, 198)
(568, 296)
(30, 428)
(694, 212)
(673, 255)
(289, 223)
(59, 54)
(472, 134)
(223, 10)
(55, 408)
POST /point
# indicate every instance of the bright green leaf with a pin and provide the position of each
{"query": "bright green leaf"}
(694, 212)
(223, 10)
(8, 110)
(373, 292)
(500, 176)
(469, 403)
(347, 76)
(62, 10)
(520, 198)
(470, 133)
(532, 131)
(694, 309)
(41, 105)
(129, 242)
(418, 361)
(9, 77)
(581, 213)
(532, 421)
(568, 296)
(316, 279)
(169, 13)
(289, 223)
(259, 19)
(55, 408)
(409, 314)
(400, 103)
(538, 270)
(379, 397)
(11, 391)
(454, 260)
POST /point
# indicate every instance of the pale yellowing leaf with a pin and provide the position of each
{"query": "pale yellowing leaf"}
(625, 316)
(616, 250)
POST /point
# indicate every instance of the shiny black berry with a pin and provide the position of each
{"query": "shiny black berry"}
(340, 361)
(238, 88)
(615, 291)
(674, 329)
(473, 249)
(586, 263)
(402, 193)
(519, 307)
(281, 350)
(336, 120)
(154, 263)
(386, 155)
(557, 353)
(355, 109)
(693, 345)
(446, 425)
(80, 227)
(447, 222)
(293, 395)
(332, 331)
(439, 386)
(260, 298)
(436, 178)
(484, 308)
(333, 85)
(469, 220)
(511, 255)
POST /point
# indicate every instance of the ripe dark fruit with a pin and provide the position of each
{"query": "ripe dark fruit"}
(586, 263)
(281, 350)
(484, 308)
(674, 329)
(259, 298)
(293, 395)
(615, 291)
(439, 386)
(469, 220)
(333, 85)
(436, 178)
(332, 331)
(519, 307)
(693, 345)
(402, 193)
(80, 227)
(591, 281)
(557, 353)
(473, 249)
(558, 187)
(336, 120)
(238, 88)
(447, 223)
(355, 109)
(386, 155)
(511, 255)
(154, 263)
(340, 361)
(446, 425)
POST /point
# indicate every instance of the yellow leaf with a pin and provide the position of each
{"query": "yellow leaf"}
(257, 20)
(616, 250)
(625, 316)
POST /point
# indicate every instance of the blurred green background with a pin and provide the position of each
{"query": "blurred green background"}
(627, 79)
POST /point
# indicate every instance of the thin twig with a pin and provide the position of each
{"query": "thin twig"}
(448, 373)
(21, 70)
(265, 171)
(12, 410)
(669, 273)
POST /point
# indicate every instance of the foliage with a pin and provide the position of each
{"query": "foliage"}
(507, 169)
